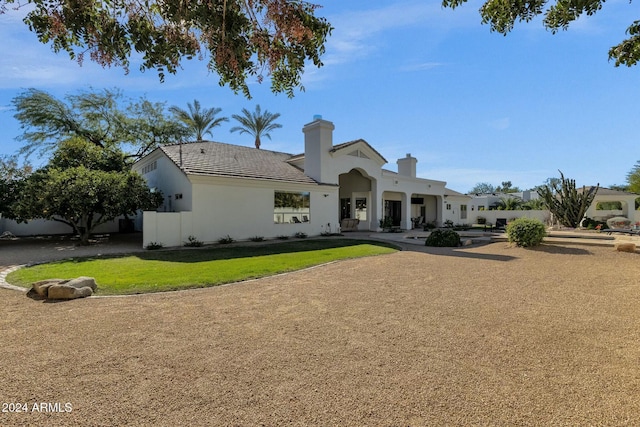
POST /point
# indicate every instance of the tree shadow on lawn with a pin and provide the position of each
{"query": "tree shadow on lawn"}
(240, 250)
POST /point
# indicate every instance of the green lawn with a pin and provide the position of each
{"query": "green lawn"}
(155, 271)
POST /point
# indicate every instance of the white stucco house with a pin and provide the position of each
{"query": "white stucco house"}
(213, 190)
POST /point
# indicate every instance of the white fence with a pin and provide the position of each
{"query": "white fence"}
(492, 215)
(43, 227)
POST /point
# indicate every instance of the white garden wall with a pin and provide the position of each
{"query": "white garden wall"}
(492, 215)
(43, 227)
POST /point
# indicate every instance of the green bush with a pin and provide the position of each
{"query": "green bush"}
(526, 232)
(226, 240)
(443, 239)
(193, 242)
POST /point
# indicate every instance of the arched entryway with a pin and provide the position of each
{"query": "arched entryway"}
(357, 198)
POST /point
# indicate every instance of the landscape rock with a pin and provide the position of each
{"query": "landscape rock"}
(41, 287)
(61, 289)
(467, 242)
(626, 247)
(82, 282)
(68, 292)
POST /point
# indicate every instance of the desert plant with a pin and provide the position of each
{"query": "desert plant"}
(564, 201)
(386, 223)
(226, 240)
(256, 239)
(283, 237)
(154, 245)
(448, 223)
(192, 242)
(526, 232)
(443, 238)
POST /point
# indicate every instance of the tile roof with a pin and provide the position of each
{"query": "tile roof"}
(219, 159)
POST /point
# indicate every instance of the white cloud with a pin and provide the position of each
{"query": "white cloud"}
(355, 32)
(424, 66)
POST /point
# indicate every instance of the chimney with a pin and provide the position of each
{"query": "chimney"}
(318, 141)
(407, 166)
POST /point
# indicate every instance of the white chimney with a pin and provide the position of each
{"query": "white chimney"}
(318, 141)
(407, 166)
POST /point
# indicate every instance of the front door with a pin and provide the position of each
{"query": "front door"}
(393, 210)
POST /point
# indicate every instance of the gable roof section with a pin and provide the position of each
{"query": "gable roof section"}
(226, 160)
(348, 147)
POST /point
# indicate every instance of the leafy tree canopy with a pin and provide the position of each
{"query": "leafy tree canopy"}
(501, 16)
(633, 179)
(483, 188)
(96, 117)
(238, 38)
(12, 177)
(83, 186)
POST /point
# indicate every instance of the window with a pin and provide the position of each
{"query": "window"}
(463, 211)
(150, 167)
(291, 208)
(448, 206)
(361, 209)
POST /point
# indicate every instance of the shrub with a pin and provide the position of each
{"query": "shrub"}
(154, 245)
(443, 239)
(448, 223)
(193, 242)
(226, 240)
(257, 239)
(428, 226)
(386, 223)
(301, 235)
(526, 232)
(283, 237)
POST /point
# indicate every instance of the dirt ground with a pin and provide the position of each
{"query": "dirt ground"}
(485, 335)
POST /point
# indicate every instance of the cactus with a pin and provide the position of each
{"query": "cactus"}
(564, 201)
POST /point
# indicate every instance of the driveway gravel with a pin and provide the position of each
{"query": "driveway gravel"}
(482, 335)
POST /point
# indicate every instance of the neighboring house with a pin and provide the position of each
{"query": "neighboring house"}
(213, 190)
(486, 201)
(611, 203)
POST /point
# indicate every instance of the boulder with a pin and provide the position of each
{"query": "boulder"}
(626, 247)
(68, 292)
(41, 287)
(82, 282)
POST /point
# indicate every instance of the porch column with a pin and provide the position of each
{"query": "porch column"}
(405, 222)
(376, 207)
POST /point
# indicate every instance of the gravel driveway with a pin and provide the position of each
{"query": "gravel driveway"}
(485, 335)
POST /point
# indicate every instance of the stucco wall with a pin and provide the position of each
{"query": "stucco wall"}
(43, 227)
(240, 209)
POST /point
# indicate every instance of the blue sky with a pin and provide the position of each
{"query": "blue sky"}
(410, 77)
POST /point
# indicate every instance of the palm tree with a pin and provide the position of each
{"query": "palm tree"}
(257, 123)
(199, 121)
